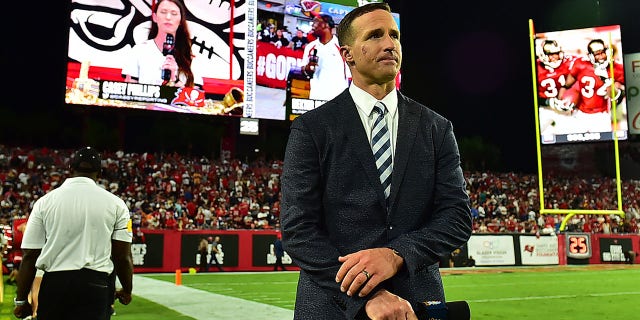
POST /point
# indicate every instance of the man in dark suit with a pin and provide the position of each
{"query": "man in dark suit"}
(278, 250)
(368, 249)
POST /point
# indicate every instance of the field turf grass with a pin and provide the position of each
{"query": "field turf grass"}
(550, 293)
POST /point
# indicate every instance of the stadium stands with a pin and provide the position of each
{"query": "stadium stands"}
(174, 191)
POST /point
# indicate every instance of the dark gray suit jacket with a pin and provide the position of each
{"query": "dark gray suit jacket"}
(333, 203)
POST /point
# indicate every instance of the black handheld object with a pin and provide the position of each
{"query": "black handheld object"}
(436, 310)
(313, 57)
(167, 48)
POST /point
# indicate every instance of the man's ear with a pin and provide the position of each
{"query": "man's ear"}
(345, 51)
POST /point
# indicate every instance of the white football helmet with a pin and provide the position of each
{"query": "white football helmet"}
(552, 54)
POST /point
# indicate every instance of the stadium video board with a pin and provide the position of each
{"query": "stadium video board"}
(632, 77)
(581, 85)
(282, 90)
(112, 62)
(109, 39)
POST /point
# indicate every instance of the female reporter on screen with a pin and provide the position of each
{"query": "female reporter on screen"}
(166, 57)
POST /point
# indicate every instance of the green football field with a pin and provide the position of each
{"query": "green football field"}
(550, 293)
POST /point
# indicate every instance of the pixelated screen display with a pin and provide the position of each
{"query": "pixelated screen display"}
(280, 82)
(581, 85)
(236, 71)
(103, 36)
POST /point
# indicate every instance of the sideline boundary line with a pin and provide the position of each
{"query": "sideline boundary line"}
(200, 304)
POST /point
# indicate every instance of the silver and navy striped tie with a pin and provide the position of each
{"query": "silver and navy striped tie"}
(381, 147)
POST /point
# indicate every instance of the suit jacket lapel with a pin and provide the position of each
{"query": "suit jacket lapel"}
(356, 139)
(408, 119)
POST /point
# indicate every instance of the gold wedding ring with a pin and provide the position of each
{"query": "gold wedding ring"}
(366, 274)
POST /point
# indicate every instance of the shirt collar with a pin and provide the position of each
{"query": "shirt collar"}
(365, 101)
(80, 179)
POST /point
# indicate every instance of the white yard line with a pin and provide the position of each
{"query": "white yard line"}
(564, 296)
(204, 305)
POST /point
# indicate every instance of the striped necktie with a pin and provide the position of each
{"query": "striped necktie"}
(381, 147)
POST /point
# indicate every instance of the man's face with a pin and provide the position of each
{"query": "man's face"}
(600, 55)
(599, 52)
(552, 56)
(376, 50)
(318, 26)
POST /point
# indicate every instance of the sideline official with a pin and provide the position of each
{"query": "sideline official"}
(73, 232)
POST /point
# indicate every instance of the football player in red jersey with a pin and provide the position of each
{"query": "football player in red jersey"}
(552, 70)
(589, 84)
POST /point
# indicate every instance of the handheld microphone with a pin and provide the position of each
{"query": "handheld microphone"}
(436, 310)
(313, 57)
(458, 310)
(167, 49)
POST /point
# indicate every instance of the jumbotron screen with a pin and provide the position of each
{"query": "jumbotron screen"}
(115, 59)
(110, 39)
(581, 85)
(282, 90)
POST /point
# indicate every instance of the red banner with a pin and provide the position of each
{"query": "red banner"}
(273, 64)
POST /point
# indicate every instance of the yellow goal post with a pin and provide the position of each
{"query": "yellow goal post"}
(570, 212)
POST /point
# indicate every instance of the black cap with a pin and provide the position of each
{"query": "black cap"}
(86, 160)
(328, 19)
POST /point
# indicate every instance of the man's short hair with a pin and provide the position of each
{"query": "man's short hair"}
(344, 32)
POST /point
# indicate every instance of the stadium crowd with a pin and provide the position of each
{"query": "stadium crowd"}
(174, 191)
